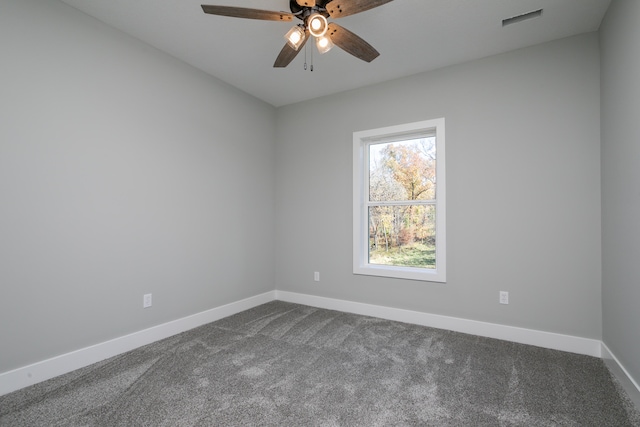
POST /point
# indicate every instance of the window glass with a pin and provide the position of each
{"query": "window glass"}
(399, 202)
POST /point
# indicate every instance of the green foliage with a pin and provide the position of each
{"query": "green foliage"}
(415, 255)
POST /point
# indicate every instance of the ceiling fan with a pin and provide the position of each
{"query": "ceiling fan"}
(313, 14)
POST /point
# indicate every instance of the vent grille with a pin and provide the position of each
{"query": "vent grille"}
(523, 17)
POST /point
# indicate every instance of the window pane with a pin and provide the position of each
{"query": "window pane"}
(404, 170)
(402, 236)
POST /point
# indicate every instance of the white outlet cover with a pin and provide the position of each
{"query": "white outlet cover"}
(146, 301)
(504, 297)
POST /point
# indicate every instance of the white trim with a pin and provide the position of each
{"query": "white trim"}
(361, 140)
(617, 369)
(550, 340)
(46, 369)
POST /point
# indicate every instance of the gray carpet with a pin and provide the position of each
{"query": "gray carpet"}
(283, 364)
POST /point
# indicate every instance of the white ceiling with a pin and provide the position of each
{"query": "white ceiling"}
(412, 36)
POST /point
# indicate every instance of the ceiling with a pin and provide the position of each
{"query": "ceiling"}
(412, 36)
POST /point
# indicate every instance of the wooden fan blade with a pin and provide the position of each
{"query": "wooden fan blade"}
(288, 53)
(351, 43)
(306, 3)
(342, 8)
(243, 12)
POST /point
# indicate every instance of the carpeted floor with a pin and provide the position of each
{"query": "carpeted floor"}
(283, 364)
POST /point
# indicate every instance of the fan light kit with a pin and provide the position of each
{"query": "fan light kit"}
(313, 14)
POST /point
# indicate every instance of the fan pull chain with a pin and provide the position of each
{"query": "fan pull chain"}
(305, 57)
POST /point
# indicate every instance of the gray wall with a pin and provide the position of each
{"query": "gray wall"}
(523, 189)
(620, 44)
(122, 172)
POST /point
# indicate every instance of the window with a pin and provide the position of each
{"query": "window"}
(399, 202)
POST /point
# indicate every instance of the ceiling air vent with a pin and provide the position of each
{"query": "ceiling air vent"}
(523, 17)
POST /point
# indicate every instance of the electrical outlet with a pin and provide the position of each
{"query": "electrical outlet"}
(146, 301)
(504, 297)
(316, 276)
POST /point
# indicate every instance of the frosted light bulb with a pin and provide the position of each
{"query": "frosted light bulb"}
(317, 25)
(324, 44)
(294, 37)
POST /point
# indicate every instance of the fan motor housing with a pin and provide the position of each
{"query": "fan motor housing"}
(306, 10)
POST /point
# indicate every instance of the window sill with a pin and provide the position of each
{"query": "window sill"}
(408, 273)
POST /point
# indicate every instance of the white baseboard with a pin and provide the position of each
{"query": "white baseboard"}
(46, 369)
(550, 340)
(618, 370)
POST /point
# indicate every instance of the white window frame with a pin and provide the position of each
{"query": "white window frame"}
(361, 142)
